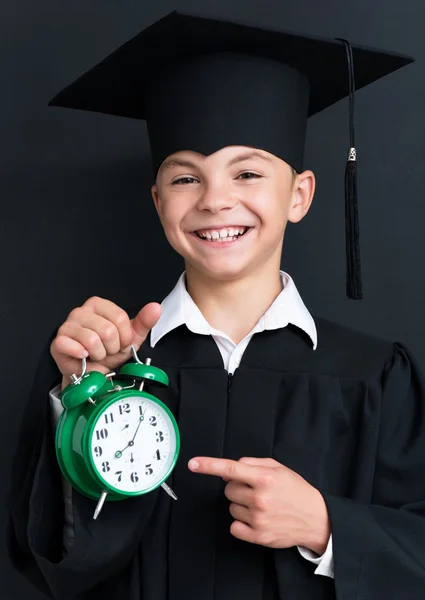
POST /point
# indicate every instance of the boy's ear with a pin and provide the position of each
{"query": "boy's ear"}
(156, 199)
(302, 196)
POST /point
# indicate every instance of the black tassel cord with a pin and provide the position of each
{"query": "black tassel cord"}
(352, 235)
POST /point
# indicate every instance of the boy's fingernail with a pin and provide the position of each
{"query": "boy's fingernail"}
(193, 464)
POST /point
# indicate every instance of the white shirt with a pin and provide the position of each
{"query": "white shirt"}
(178, 308)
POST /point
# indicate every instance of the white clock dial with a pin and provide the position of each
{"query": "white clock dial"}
(133, 444)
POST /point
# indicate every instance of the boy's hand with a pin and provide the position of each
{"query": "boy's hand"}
(102, 332)
(272, 505)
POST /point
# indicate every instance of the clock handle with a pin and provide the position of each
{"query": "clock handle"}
(142, 383)
(136, 358)
(74, 377)
(138, 361)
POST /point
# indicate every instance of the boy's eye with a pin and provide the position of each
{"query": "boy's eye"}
(183, 180)
(249, 175)
(188, 180)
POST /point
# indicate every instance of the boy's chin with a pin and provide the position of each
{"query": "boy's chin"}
(223, 272)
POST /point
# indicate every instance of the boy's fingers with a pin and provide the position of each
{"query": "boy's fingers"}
(63, 345)
(144, 321)
(230, 470)
(112, 314)
(260, 462)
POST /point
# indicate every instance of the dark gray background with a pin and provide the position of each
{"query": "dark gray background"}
(77, 218)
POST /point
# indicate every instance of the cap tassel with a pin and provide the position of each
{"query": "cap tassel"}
(354, 280)
(352, 235)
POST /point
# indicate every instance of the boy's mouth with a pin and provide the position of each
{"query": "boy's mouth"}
(226, 234)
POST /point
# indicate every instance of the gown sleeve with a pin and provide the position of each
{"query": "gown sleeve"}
(56, 410)
(379, 548)
(98, 563)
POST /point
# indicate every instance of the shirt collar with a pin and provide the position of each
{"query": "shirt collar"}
(178, 308)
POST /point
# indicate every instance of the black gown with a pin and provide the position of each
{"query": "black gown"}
(349, 417)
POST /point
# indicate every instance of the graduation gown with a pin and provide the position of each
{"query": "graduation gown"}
(348, 417)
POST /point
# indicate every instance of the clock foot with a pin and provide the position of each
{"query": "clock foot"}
(100, 505)
(169, 491)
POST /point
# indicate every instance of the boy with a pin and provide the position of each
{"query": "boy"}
(303, 442)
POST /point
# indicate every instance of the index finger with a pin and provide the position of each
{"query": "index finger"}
(224, 467)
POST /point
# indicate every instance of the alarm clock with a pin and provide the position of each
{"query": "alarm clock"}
(114, 439)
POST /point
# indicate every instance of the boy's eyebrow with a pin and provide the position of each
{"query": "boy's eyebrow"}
(180, 162)
(176, 162)
(249, 156)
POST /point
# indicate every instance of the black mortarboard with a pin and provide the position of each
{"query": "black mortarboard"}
(202, 84)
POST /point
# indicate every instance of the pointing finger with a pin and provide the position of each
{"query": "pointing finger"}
(231, 470)
(260, 462)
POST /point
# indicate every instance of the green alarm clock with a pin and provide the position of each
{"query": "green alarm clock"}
(115, 440)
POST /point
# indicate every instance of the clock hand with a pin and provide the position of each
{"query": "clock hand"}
(118, 453)
(134, 436)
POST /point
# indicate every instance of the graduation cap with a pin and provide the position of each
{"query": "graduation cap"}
(202, 83)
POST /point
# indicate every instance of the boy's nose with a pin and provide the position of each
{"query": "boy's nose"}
(216, 199)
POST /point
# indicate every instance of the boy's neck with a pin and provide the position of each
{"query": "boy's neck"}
(234, 307)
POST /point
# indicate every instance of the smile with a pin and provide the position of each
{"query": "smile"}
(227, 234)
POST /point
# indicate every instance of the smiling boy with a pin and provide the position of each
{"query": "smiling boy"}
(300, 475)
(203, 201)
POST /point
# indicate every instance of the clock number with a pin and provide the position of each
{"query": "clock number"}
(141, 411)
(134, 477)
(119, 473)
(152, 421)
(105, 467)
(109, 418)
(157, 455)
(101, 434)
(159, 436)
(124, 408)
(149, 469)
(98, 451)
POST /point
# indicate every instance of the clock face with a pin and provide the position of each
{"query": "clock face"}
(133, 445)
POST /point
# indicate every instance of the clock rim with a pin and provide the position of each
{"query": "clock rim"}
(67, 446)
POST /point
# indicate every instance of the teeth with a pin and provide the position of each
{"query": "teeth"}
(222, 233)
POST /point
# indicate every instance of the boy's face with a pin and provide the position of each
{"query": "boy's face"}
(236, 189)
